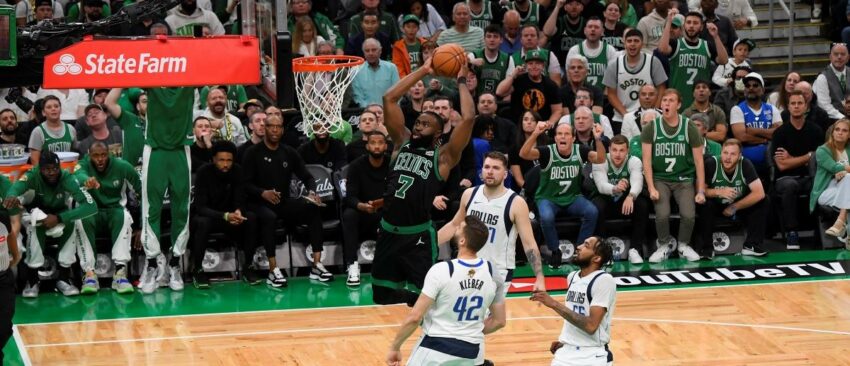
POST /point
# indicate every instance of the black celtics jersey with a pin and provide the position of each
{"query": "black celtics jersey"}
(412, 184)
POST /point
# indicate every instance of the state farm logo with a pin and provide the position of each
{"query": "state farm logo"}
(98, 64)
(67, 65)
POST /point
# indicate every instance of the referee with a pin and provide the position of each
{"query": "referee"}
(9, 257)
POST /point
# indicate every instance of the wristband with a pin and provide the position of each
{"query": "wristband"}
(226, 216)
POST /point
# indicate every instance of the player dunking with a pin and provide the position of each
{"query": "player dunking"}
(454, 304)
(587, 310)
(406, 245)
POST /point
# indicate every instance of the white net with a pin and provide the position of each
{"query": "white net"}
(320, 93)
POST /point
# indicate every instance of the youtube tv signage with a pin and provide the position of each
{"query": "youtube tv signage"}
(154, 62)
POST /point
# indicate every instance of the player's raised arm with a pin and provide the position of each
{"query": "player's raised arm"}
(393, 116)
(111, 102)
(450, 153)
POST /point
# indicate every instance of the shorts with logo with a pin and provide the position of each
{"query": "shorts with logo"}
(583, 356)
(437, 351)
(403, 255)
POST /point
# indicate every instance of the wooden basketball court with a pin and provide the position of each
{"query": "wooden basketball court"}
(800, 323)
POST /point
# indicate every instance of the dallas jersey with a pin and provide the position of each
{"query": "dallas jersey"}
(595, 289)
(500, 247)
(629, 82)
(463, 291)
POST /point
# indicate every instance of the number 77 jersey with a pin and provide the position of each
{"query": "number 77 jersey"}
(462, 290)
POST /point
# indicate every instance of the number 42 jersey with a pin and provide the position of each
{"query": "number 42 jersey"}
(462, 290)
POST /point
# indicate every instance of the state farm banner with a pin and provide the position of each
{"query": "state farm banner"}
(162, 61)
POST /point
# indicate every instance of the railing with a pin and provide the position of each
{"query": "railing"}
(789, 9)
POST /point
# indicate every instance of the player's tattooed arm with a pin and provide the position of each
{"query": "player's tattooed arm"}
(533, 256)
(588, 323)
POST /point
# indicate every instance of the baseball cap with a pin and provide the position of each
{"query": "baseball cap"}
(678, 20)
(749, 42)
(94, 106)
(534, 55)
(754, 75)
(409, 18)
(253, 102)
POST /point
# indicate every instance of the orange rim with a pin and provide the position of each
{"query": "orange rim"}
(324, 63)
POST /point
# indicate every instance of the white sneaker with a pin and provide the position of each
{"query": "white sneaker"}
(31, 290)
(353, 274)
(816, 13)
(147, 284)
(320, 273)
(66, 288)
(685, 251)
(176, 278)
(663, 251)
(276, 278)
(634, 257)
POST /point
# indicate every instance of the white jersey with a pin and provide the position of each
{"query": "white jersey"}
(595, 289)
(462, 290)
(501, 244)
(629, 82)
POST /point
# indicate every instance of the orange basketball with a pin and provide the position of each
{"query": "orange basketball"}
(448, 60)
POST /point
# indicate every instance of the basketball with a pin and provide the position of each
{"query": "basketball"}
(448, 60)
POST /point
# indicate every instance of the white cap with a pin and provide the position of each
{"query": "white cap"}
(754, 75)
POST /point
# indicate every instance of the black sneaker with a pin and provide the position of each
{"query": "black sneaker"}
(753, 251)
(251, 277)
(200, 280)
(706, 255)
(555, 259)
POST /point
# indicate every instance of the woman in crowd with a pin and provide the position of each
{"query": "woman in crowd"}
(520, 166)
(779, 98)
(306, 39)
(430, 21)
(831, 186)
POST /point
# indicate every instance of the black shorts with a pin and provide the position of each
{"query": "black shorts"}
(403, 259)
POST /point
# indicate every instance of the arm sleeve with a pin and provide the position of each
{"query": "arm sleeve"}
(600, 178)
(352, 186)
(821, 89)
(300, 169)
(85, 204)
(604, 291)
(249, 168)
(201, 197)
(635, 175)
(824, 158)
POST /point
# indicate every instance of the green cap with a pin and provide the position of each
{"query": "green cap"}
(410, 18)
(535, 55)
(678, 20)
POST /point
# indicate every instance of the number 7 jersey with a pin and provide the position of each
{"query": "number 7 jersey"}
(462, 290)
(412, 184)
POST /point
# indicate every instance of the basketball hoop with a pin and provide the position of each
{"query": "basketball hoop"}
(320, 84)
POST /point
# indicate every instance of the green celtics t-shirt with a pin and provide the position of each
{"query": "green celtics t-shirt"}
(722, 179)
(560, 176)
(414, 54)
(672, 154)
(169, 124)
(114, 182)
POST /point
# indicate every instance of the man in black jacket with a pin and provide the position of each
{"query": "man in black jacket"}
(269, 167)
(815, 115)
(323, 150)
(365, 185)
(219, 206)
